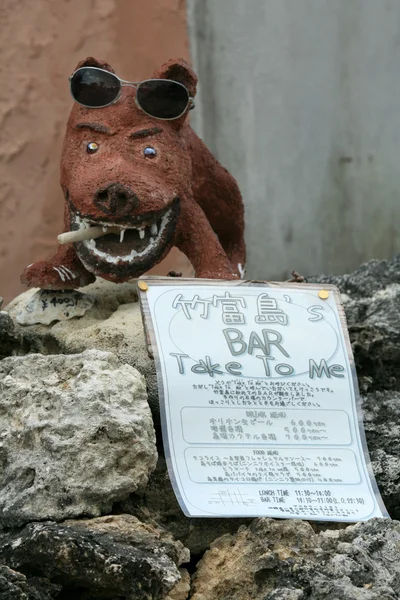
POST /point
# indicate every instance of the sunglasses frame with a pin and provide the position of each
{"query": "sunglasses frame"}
(136, 85)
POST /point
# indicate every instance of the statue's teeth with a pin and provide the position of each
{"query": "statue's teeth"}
(141, 233)
(154, 229)
(121, 235)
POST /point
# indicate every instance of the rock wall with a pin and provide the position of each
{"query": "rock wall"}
(87, 509)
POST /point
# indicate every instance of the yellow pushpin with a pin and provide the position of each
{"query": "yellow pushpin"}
(323, 294)
(143, 286)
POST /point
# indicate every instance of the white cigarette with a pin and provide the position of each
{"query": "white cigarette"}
(90, 233)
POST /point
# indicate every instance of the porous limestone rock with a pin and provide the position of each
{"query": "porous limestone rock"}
(371, 297)
(10, 341)
(108, 557)
(113, 324)
(76, 435)
(267, 560)
(157, 505)
(287, 560)
(16, 586)
(381, 411)
(181, 590)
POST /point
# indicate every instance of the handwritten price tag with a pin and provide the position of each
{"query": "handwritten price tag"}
(46, 306)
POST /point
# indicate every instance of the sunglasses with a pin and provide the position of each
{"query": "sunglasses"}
(160, 98)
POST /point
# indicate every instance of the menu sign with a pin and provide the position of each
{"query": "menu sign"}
(259, 400)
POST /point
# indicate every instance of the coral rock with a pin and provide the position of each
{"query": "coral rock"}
(371, 297)
(108, 557)
(15, 586)
(272, 560)
(77, 435)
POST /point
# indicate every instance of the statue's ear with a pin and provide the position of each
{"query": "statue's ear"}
(93, 62)
(178, 70)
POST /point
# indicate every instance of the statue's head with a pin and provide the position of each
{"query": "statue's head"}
(125, 164)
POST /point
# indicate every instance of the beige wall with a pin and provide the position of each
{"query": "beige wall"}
(40, 44)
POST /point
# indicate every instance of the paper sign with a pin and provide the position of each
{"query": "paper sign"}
(259, 400)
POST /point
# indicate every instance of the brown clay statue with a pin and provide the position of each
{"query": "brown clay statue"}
(137, 180)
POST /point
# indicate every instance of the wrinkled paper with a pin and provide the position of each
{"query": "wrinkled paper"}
(259, 400)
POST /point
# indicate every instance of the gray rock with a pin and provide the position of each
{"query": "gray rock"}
(10, 341)
(157, 505)
(287, 560)
(113, 324)
(371, 298)
(110, 557)
(285, 594)
(381, 412)
(15, 586)
(76, 436)
(367, 280)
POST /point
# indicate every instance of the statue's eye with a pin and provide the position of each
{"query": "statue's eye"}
(92, 147)
(149, 152)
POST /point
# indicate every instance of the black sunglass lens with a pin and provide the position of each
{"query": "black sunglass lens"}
(94, 87)
(162, 98)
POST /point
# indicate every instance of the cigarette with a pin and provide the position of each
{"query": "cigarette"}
(90, 233)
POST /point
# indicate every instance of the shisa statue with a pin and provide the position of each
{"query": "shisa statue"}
(137, 181)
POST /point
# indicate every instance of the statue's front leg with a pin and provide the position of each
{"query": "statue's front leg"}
(197, 240)
(64, 271)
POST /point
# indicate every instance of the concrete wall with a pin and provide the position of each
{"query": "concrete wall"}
(300, 100)
(41, 42)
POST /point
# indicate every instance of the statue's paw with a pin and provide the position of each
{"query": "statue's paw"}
(52, 276)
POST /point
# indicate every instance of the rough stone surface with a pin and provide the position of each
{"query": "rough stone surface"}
(381, 412)
(286, 560)
(181, 590)
(10, 340)
(157, 504)
(109, 557)
(77, 435)
(371, 297)
(15, 586)
(113, 324)
(266, 560)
